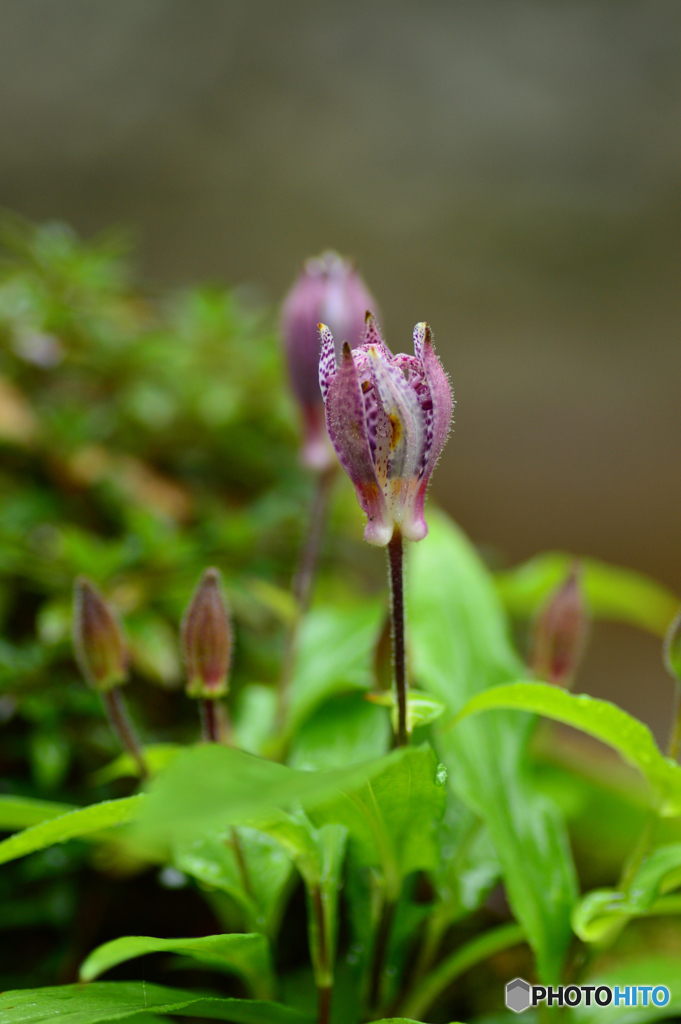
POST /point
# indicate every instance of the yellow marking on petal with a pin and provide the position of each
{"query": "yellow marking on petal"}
(396, 427)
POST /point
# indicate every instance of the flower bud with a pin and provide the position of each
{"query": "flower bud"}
(98, 641)
(331, 290)
(207, 639)
(388, 418)
(560, 633)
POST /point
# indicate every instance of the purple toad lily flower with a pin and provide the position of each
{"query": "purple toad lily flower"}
(388, 418)
(329, 289)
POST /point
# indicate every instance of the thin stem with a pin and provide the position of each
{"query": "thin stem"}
(396, 567)
(383, 931)
(303, 580)
(472, 953)
(325, 990)
(674, 745)
(211, 729)
(119, 720)
(210, 720)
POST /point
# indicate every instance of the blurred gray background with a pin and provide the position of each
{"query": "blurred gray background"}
(507, 171)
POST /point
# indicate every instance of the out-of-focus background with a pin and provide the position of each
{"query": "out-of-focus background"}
(509, 172)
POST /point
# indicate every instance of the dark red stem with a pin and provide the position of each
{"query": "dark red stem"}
(119, 720)
(396, 565)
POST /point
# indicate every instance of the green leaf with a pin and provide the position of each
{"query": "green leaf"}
(604, 912)
(655, 969)
(245, 955)
(335, 650)
(254, 717)
(84, 822)
(209, 786)
(392, 818)
(343, 731)
(212, 860)
(599, 718)
(422, 708)
(157, 756)
(112, 1000)
(22, 811)
(611, 592)
(460, 645)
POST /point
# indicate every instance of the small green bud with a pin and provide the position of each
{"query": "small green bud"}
(207, 639)
(560, 633)
(98, 642)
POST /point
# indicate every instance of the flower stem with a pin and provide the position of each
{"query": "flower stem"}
(396, 568)
(383, 931)
(210, 720)
(119, 720)
(211, 729)
(325, 990)
(302, 582)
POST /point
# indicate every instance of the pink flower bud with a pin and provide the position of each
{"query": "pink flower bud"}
(560, 633)
(388, 418)
(207, 639)
(98, 642)
(328, 289)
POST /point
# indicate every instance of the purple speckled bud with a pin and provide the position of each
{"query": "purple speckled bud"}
(328, 289)
(560, 633)
(206, 635)
(98, 642)
(388, 418)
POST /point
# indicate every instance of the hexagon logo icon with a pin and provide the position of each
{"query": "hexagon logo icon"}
(517, 995)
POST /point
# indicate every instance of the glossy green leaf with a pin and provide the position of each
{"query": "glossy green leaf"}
(245, 955)
(335, 651)
(211, 860)
(254, 717)
(460, 645)
(392, 818)
(602, 913)
(649, 969)
(599, 718)
(210, 786)
(344, 730)
(22, 812)
(157, 756)
(84, 822)
(612, 592)
(111, 1000)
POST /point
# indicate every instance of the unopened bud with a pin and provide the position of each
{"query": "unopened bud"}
(330, 290)
(207, 639)
(560, 633)
(98, 642)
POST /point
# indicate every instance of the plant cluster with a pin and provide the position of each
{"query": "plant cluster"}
(317, 814)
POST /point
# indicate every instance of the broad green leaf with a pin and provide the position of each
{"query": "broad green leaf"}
(112, 1000)
(211, 860)
(599, 718)
(22, 812)
(254, 717)
(335, 650)
(392, 818)
(612, 592)
(157, 756)
(245, 955)
(652, 969)
(460, 646)
(84, 822)
(209, 786)
(343, 731)
(602, 913)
